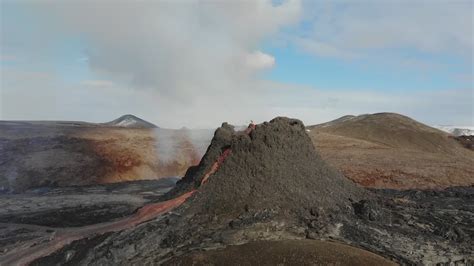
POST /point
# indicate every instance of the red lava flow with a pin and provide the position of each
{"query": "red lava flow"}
(63, 237)
(216, 165)
(223, 156)
(67, 236)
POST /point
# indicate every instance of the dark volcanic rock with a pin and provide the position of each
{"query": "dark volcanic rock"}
(367, 210)
(466, 141)
(74, 216)
(275, 166)
(413, 226)
(74, 253)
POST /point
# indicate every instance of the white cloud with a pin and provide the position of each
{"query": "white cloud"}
(342, 28)
(259, 60)
(179, 50)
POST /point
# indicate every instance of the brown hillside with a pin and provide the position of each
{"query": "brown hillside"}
(388, 150)
(392, 130)
(36, 154)
(286, 252)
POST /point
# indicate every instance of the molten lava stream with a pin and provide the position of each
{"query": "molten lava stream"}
(216, 165)
(63, 237)
(66, 236)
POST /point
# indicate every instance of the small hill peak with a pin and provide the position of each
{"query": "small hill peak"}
(130, 121)
(390, 129)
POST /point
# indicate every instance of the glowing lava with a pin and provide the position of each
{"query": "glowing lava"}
(216, 165)
(63, 237)
(34, 249)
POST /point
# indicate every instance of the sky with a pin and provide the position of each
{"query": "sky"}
(199, 63)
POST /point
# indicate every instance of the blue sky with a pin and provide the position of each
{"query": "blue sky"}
(94, 58)
(377, 72)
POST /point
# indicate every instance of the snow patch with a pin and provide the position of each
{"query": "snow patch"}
(127, 122)
(457, 130)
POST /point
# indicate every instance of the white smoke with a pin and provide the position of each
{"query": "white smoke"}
(200, 139)
(166, 145)
(179, 51)
(181, 145)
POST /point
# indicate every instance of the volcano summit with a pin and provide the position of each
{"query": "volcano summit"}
(272, 165)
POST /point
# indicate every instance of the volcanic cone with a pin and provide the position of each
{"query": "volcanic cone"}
(271, 165)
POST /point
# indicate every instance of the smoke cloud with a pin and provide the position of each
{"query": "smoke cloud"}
(182, 53)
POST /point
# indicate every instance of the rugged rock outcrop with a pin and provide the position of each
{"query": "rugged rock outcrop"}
(272, 165)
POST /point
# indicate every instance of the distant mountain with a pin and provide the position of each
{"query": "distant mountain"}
(390, 129)
(335, 121)
(457, 130)
(388, 150)
(130, 121)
